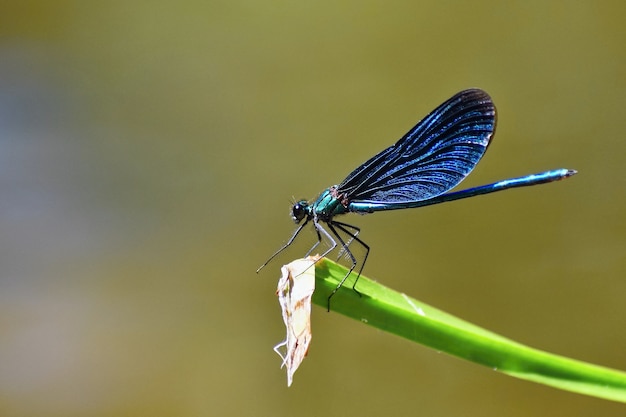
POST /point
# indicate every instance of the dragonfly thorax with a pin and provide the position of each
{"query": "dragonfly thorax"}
(329, 204)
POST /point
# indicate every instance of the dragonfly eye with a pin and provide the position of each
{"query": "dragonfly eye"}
(299, 211)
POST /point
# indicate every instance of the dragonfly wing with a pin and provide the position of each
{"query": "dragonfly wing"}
(432, 158)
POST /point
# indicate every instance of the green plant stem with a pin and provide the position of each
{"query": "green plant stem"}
(404, 316)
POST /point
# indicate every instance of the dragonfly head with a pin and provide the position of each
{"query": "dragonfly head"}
(299, 211)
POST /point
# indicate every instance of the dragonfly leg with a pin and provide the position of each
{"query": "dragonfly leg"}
(354, 233)
(286, 245)
(333, 243)
(354, 236)
(347, 251)
(320, 231)
(316, 244)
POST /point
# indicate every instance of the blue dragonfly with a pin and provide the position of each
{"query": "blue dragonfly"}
(418, 170)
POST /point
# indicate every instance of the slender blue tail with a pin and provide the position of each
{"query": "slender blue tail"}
(527, 180)
(533, 179)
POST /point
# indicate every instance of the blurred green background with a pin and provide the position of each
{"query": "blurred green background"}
(149, 152)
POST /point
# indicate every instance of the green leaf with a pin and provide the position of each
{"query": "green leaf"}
(407, 317)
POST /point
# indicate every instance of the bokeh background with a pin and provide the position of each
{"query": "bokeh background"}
(149, 152)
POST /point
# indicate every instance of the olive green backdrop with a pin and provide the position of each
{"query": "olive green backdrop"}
(149, 152)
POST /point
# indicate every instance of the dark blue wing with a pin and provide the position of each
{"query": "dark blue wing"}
(431, 158)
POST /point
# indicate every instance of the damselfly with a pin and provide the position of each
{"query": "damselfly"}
(431, 159)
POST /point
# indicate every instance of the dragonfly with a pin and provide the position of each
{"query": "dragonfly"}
(418, 170)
